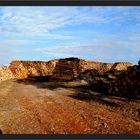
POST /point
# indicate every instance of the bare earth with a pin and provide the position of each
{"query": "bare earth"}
(41, 108)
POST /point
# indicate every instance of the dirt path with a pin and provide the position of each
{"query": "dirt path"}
(35, 109)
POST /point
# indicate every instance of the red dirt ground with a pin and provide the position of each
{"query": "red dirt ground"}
(32, 109)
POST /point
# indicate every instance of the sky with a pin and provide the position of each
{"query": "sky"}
(107, 34)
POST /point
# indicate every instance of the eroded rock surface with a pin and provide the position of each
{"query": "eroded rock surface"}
(5, 73)
(60, 70)
(127, 84)
(25, 69)
(70, 68)
(118, 79)
(124, 83)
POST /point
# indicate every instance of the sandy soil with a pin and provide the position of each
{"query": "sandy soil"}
(47, 108)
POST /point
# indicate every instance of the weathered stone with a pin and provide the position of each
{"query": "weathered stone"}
(64, 69)
(5, 73)
(121, 66)
(70, 68)
(25, 69)
(128, 83)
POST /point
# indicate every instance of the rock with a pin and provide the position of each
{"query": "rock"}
(59, 70)
(66, 69)
(127, 84)
(26, 69)
(122, 79)
(71, 68)
(121, 66)
(5, 73)
(102, 76)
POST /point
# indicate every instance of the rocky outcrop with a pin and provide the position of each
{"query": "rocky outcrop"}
(127, 84)
(70, 68)
(26, 69)
(59, 70)
(66, 69)
(5, 73)
(119, 66)
(121, 79)
(123, 83)
(99, 66)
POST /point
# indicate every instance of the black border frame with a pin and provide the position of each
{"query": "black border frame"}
(70, 3)
(70, 136)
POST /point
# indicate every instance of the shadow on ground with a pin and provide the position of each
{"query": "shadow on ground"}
(82, 92)
(87, 93)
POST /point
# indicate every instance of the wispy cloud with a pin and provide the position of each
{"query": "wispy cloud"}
(109, 49)
(8, 49)
(9, 43)
(97, 33)
(40, 21)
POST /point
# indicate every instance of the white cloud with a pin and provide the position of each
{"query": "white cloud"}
(8, 50)
(48, 22)
(9, 43)
(37, 20)
(108, 49)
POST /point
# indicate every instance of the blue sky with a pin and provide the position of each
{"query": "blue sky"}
(107, 34)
